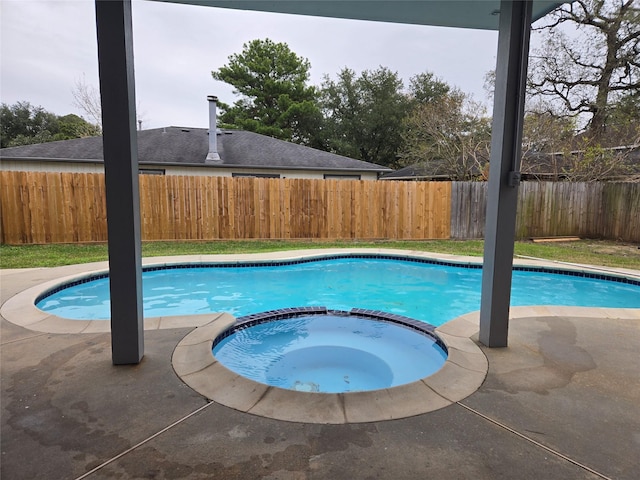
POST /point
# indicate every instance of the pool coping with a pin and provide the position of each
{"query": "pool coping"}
(463, 373)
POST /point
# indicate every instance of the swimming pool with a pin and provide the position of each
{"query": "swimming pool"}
(426, 290)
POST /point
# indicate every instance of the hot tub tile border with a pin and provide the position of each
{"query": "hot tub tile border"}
(253, 319)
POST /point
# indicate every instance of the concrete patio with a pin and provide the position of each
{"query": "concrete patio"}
(562, 401)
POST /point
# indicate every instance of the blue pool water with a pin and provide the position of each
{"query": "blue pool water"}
(330, 354)
(424, 291)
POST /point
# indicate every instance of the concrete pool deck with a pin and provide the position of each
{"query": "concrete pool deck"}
(562, 401)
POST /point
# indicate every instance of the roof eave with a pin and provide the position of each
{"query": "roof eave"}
(475, 14)
(50, 159)
(201, 165)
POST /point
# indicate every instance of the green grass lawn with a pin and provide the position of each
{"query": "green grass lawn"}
(593, 252)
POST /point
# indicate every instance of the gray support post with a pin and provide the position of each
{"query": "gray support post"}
(504, 170)
(115, 61)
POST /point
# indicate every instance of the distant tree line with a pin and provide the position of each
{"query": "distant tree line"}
(361, 116)
(25, 124)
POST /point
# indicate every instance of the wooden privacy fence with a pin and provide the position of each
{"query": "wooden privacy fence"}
(548, 209)
(41, 207)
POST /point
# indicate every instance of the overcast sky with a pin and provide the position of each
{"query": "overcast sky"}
(46, 46)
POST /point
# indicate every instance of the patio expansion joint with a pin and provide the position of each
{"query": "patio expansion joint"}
(475, 369)
(532, 441)
(343, 407)
(435, 392)
(260, 398)
(146, 440)
(18, 340)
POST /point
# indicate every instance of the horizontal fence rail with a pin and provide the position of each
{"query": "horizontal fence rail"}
(45, 207)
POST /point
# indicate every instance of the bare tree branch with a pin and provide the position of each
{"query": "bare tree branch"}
(601, 58)
(87, 98)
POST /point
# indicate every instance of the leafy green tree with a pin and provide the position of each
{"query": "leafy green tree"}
(593, 67)
(426, 87)
(364, 114)
(275, 98)
(73, 126)
(22, 123)
(25, 124)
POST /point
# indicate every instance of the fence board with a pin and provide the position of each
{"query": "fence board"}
(58, 221)
(37, 200)
(468, 209)
(623, 201)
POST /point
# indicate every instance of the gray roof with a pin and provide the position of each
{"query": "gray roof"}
(436, 169)
(189, 146)
(417, 171)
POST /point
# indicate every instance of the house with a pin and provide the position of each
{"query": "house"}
(613, 164)
(190, 151)
(620, 164)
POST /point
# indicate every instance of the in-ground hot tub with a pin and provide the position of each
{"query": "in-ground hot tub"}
(315, 350)
(463, 370)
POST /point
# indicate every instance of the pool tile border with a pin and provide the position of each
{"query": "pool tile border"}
(585, 273)
(291, 312)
